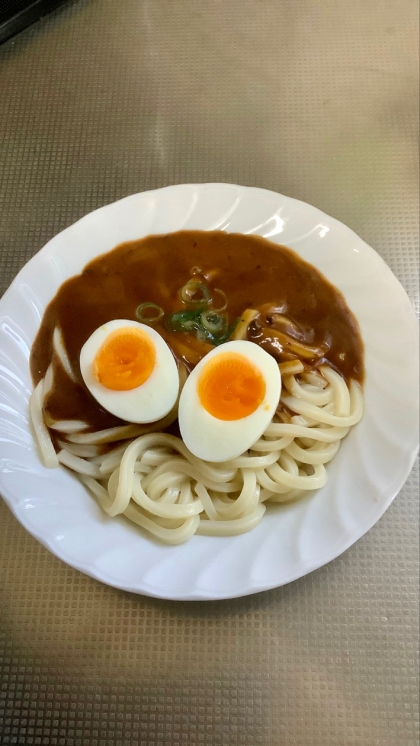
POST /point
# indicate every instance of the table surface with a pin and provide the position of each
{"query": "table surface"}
(314, 99)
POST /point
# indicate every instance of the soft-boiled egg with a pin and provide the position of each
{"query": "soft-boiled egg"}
(229, 400)
(130, 371)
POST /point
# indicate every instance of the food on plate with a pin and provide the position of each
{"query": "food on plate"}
(193, 378)
(130, 371)
(229, 400)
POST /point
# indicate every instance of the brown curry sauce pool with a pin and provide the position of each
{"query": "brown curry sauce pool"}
(251, 271)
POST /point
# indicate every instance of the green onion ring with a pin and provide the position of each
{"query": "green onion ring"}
(192, 289)
(151, 319)
(213, 322)
(228, 333)
(223, 301)
(182, 321)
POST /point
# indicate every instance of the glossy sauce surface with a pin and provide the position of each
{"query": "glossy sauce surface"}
(288, 293)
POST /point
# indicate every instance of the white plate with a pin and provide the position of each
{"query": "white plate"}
(365, 476)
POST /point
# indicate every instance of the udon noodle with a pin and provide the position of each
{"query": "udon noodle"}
(150, 476)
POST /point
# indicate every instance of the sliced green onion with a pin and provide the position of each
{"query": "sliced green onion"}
(209, 326)
(149, 313)
(213, 327)
(204, 336)
(195, 294)
(184, 321)
(222, 302)
(229, 331)
(213, 322)
(213, 339)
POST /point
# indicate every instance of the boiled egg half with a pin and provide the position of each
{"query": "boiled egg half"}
(229, 400)
(130, 371)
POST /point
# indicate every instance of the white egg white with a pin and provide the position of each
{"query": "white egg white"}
(147, 403)
(217, 440)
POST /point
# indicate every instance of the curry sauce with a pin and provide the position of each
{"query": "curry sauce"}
(251, 271)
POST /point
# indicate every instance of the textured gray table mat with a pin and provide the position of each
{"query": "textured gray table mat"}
(317, 100)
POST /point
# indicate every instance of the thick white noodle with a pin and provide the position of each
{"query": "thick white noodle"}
(83, 451)
(309, 393)
(157, 483)
(169, 535)
(78, 464)
(112, 434)
(314, 378)
(321, 415)
(232, 527)
(68, 426)
(61, 353)
(42, 436)
(48, 380)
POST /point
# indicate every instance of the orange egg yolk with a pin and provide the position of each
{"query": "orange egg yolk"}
(230, 387)
(125, 360)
